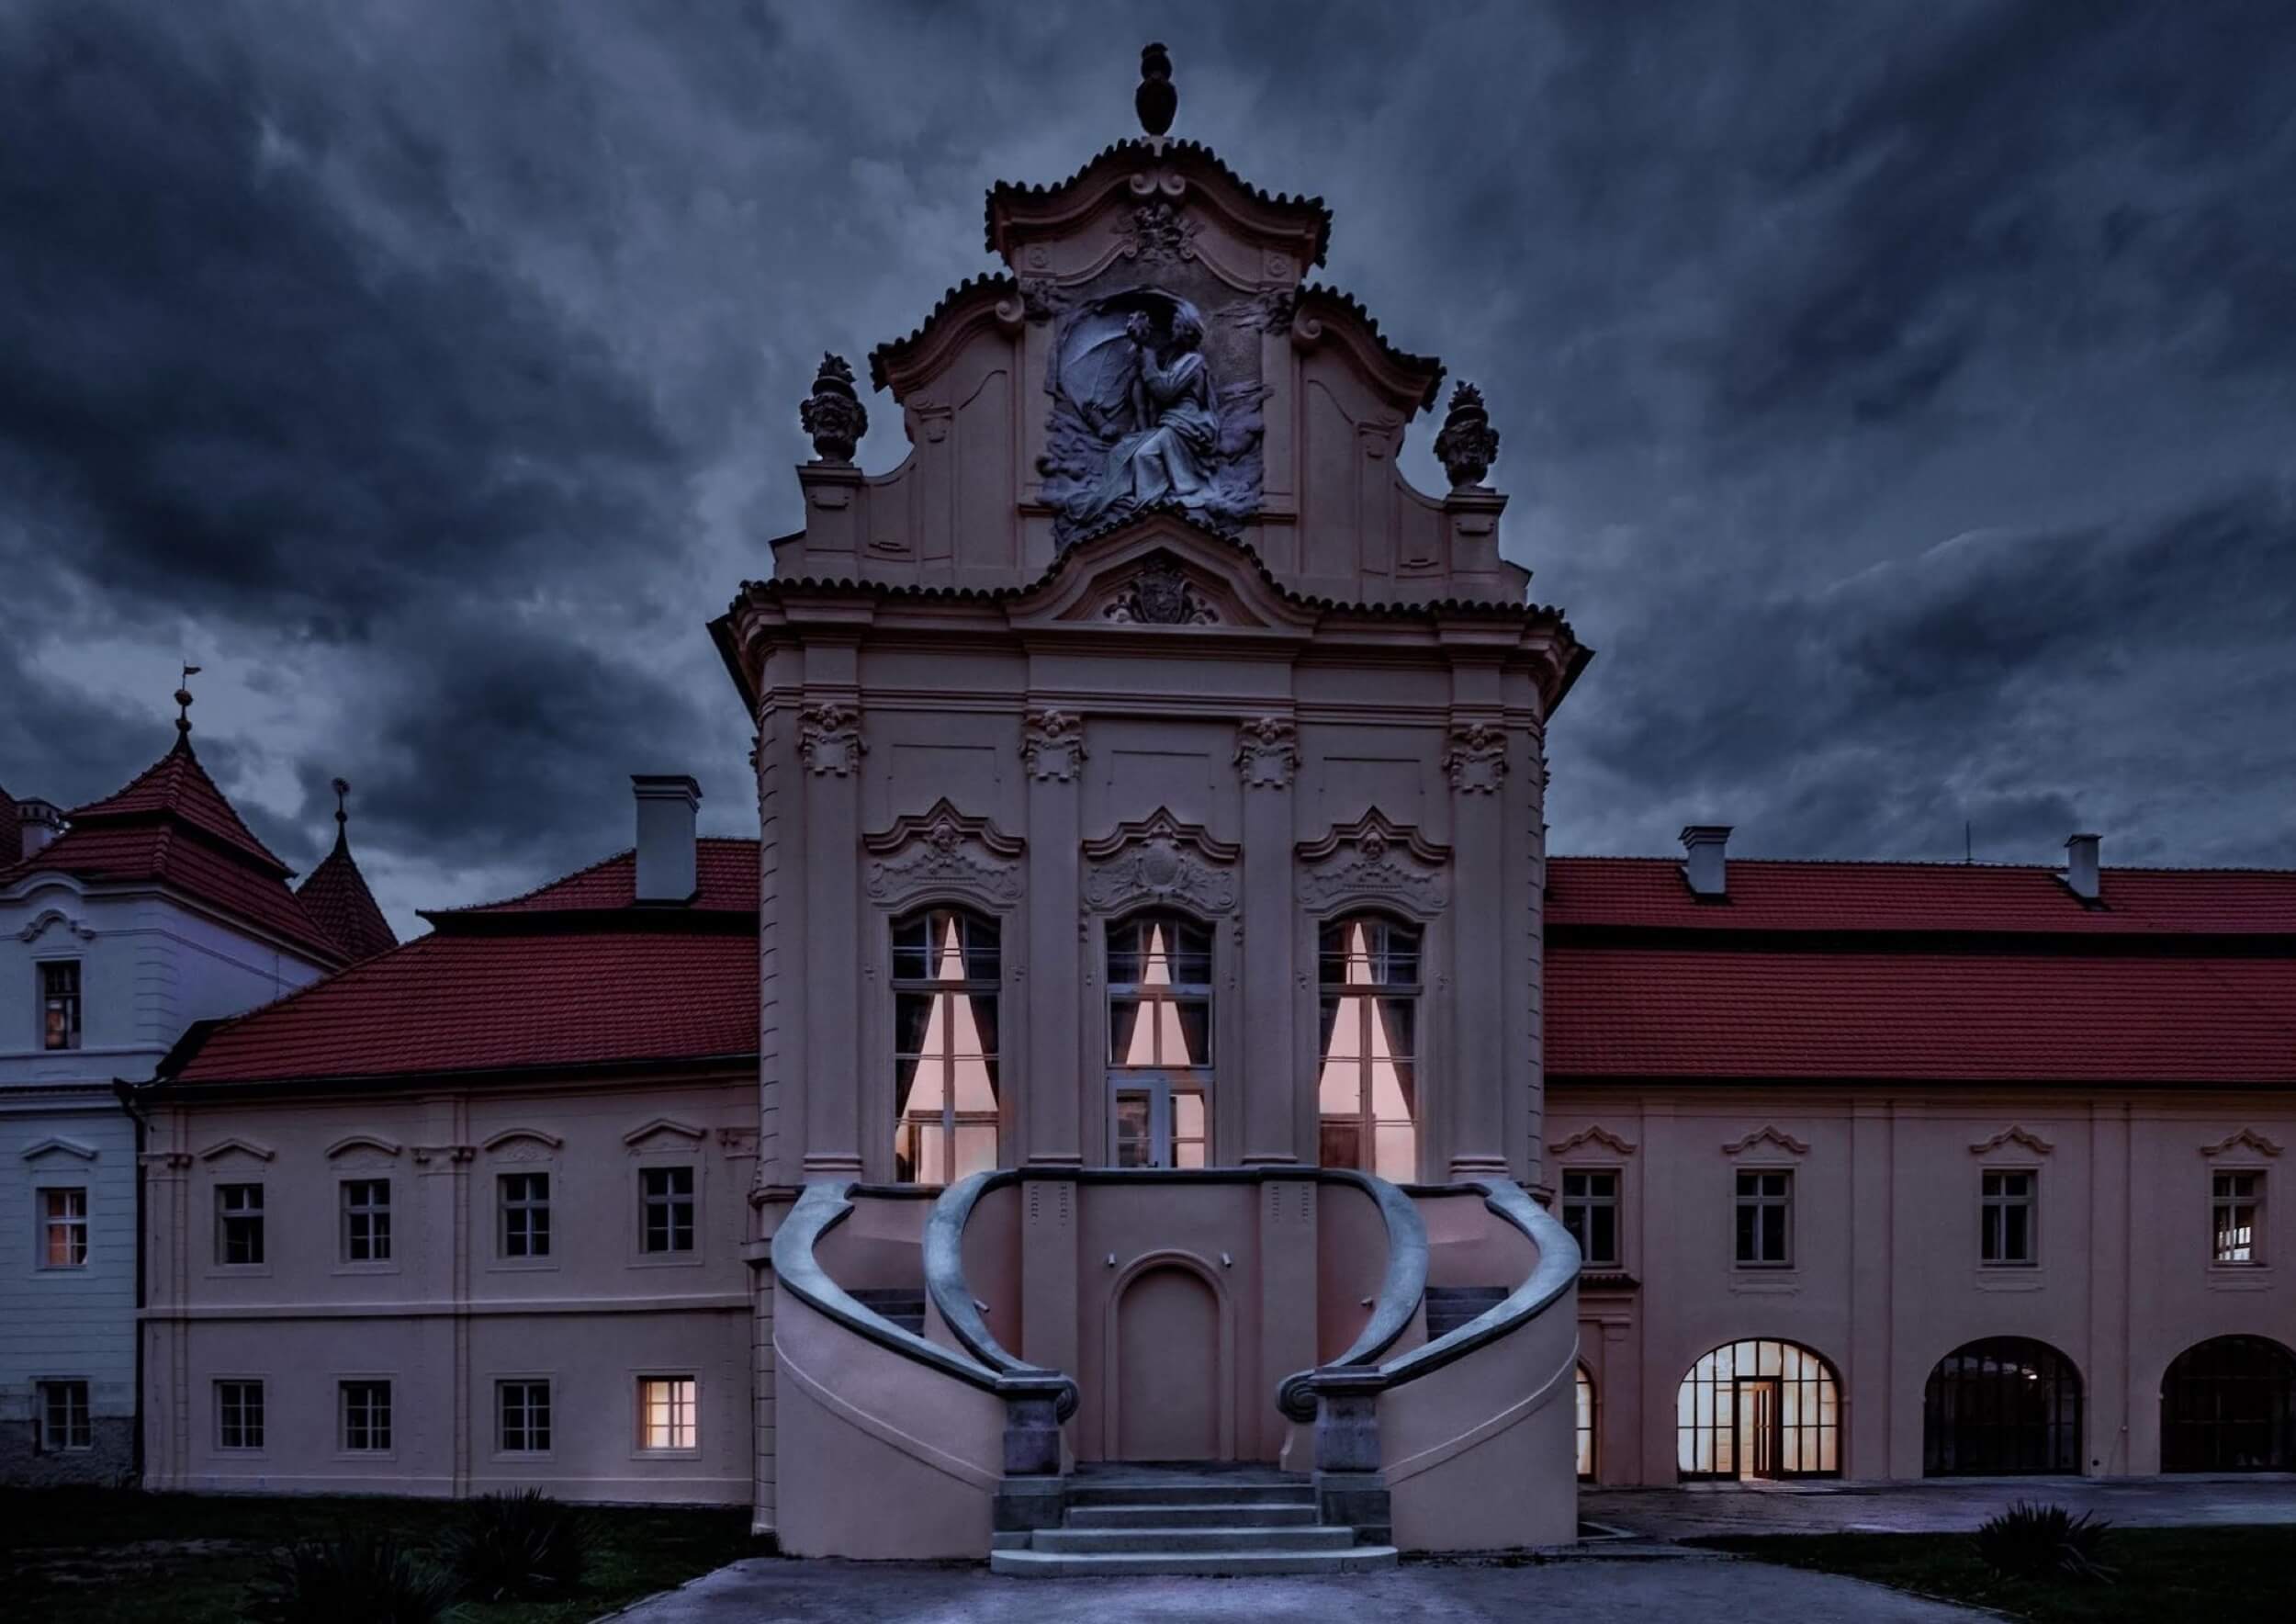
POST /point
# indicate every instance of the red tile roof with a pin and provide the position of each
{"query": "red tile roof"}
(725, 881)
(336, 898)
(172, 827)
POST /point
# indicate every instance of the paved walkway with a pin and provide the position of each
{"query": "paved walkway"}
(770, 1592)
(1706, 1510)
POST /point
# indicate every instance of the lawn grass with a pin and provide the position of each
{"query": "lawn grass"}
(120, 1556)
(2160, 1575)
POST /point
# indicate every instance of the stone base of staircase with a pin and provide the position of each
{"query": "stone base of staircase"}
(1211, 1522)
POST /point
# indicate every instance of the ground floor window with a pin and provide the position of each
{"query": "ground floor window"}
(1586, 1426)
(2003, 1405)
(666, 1413)
(1759, 1408)
(2229, 1405)
(366, 1408)
(239, 1414)
(64, 1421)
(523, 1415)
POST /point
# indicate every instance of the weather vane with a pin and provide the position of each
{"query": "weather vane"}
(183, 700)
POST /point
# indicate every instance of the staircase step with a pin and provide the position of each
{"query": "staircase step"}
(1224, 1513)
(1193, 1541)
(1232, 1564)
(1110, 1492)
(901, 1304)
(1449, 1307)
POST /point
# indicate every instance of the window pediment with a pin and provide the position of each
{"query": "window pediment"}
(2013, 1136)
(1161, 859)
(1767, 1134)
(522, 1144)
(59, 1147)
(945, 849)
(2246, 1137)
(1374, 862)
(637, 1137)
(235, 1145)
(56, 915)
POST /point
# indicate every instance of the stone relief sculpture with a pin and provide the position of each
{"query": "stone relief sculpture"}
(1139, 421)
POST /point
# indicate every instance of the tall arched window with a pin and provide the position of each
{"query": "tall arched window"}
(2229, 1405)
(1368, 1093)
(2001, 1406)
(945, 980)
(1586, 1426)
(1160, 1062)
(1758, 1409)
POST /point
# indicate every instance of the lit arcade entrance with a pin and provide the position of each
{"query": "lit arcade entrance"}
(1758, 1409)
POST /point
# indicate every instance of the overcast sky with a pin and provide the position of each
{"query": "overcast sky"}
(1900, 399)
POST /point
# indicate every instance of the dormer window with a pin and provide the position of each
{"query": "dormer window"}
(60, 1004)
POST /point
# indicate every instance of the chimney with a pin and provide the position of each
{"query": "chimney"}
(665, 803)
(2080, 866)
(37, 823)
(1703, 865)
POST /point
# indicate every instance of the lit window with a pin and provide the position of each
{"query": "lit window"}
(2006, 1218)
(64, 1423)
(238, 1224)
(522, 1411)
(1586, 1426)
(365, 1416)
(1758, 1409)
(1590, 1212)
(666, 1208)
(2237, 1218)
(367, 1221)
(945, 977)
(1367, 1096)
(525, 1214)
(1765, 1218)
(59, 1005)
(63, 1222)
(1159, 969)
(665, 1413)
(239, 1414)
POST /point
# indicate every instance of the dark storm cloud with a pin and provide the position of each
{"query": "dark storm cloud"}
(1899, 397)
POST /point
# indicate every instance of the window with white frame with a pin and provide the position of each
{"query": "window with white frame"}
(1590, 1212)
(1765, 1217)
(238, 1223)
(666, 1417)
(945, 980)
(2237, 1217)
(63, 1227)
(666, 1208)
(2005, 1217)
(526, 1206)
(239, 1414)
(1367, 1092)
(522, 1417)
(367, 1221)
(366, 1408)
(60, 1004)
(64, 1421)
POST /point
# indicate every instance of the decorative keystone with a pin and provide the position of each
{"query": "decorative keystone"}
(1468, 445)
(833, 413)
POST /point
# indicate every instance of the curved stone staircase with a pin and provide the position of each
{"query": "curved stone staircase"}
(1211, 1521)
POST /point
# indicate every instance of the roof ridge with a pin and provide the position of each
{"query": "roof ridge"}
(528, 896)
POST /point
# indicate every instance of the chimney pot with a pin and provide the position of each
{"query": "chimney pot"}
(665, 866)
(2080, 866)
(1704, 863)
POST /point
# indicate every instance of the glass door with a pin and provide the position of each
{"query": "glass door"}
(1157, 1122)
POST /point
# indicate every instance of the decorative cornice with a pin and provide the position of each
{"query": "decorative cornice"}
(1267, 752)
(2248, 1136)
(1476, 759)
(1767, 1134)
(1375, 861)
(950, 849)
(1596, 1134)
(362, 1141)
(663, 1125)
(1161, 859)
(86, 1153)
(830, 738)
(261, 1153)
(2013, 1136)
(1052, 744)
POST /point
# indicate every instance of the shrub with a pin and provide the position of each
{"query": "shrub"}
(2030, 1542)
(522, 1546)
(355, 1578)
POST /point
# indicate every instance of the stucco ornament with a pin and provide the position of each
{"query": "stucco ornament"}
(829, 738)
(1139, 421)
(1372, 860)
(1161, 859)
(944, 850)
(1158, 232)
(1160, 594)
(1267, 752)
(1468, 445)
(1053, 745)
(833, 415)
(1477, 761)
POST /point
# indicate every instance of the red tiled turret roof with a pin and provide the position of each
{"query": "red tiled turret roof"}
(336, 898)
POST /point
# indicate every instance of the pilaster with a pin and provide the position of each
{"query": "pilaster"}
(831, 747)
(1268, 761)
(1056, 1072)
(1476, 767)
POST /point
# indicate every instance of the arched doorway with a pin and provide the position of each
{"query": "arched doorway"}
(1758, 1409)
(1166, 1386)
(2001, 1406)
(2229, 1405)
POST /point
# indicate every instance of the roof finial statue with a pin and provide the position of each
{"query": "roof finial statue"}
(1155, 100)
(833, 413)
(1468, 445)
(343, 817)
(183, 703)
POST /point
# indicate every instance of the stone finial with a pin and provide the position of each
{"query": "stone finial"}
(833, 413)
(1468, 445)
(1156, 101)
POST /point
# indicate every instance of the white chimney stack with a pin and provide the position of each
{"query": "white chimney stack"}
(1703, 862)
(37, 823)
(2080, 866)
(666, 804)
